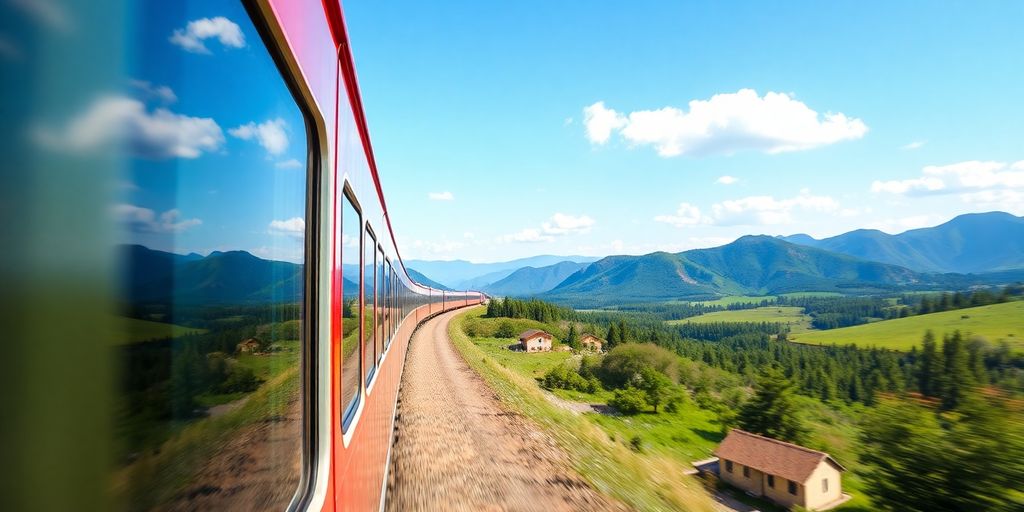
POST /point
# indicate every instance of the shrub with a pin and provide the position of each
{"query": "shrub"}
(563, 377)
(240, 380)
(629, 401)
(505, 330)
(625, 362)
(637, 444)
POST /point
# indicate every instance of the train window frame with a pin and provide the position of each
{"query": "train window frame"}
(379, 306)
(348, 412)
(368, 346)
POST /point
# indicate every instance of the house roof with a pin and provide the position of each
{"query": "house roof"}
(530, 333)
(771, 456)
(591, 336)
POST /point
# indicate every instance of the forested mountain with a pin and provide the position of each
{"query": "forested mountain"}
(531, 281)
(752, 265)
(971, 243)
(222, 277)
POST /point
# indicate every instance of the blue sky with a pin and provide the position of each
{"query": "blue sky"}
(483, 105)
(510, 129)
(212, 144)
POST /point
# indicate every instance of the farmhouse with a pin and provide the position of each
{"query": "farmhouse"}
(249, 345)
(591, 342)
(785, 473)
(535, 340)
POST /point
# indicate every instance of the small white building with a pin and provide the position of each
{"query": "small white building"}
(535, 340)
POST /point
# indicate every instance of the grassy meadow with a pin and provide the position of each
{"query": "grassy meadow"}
(133, 330)
(994, 322)
(789, 315)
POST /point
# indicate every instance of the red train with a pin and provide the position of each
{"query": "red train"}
(227, 225)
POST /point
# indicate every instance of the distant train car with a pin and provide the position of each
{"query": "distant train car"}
(212, 166)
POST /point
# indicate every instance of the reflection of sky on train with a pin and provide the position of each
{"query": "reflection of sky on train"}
(493, 117)
(211, 165)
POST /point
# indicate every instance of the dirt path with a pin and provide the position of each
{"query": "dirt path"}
(457, 448)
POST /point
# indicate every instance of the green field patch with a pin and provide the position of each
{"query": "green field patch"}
(994, 322)
(528, 364)
(736, 299)
(792, 316)
(803, 295)
(133, 330)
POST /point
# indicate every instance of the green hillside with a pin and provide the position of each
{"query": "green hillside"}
(132, 330)
(790, 315)
(994, 322)
(752, 265)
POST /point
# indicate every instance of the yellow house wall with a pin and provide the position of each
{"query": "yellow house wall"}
(780, 493)
(751, 484)
(538, 344)
(815, 497)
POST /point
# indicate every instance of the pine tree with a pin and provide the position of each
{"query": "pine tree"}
(773, 411)
(612, 337)
(573, 339)
(929, 367)
(956, 379)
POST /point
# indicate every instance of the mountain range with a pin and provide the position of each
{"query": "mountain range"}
(971, 243)
(465, 275)
(752, 265)
(970, 249)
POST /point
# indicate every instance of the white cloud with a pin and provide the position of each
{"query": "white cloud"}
(289, 164)
(440, 196)
(601, 121)
(160, 92)
(145, 220)
(917, 144)
(725, 124)
(726, 180)
(116, 120)
(293, 227)
(1007, 200)
(192, 36)
(559, 224)
(444, 249)
(767, 210)
(270, 134)
(753, 211)
(969, 176)
(686, 215)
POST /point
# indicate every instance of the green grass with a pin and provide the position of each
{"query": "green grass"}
(527, 364)
(801, 295)
(133, 330)
(790, 315)
(642, 481)
(688, 435)
(736, 299)
(995, 322)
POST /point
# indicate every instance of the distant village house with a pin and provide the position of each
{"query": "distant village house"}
(591, 342)
(535, 340)
(249, 345)
(785, 473)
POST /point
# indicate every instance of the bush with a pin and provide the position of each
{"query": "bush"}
(505, 330)
(625, 362)
(629, 401)
(637, 444)
(563, 377)
(240, 380)
(590, 366)
(675, 400)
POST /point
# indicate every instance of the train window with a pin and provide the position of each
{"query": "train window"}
(210, 226)
(381, 294)
(388, 302)
(369, 296)
(350, 252)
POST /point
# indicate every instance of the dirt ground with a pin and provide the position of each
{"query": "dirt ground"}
(457, 448)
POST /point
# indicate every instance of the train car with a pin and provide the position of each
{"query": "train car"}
(245, 307)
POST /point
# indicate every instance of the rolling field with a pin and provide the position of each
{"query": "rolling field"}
(790, 315)
(736, 299)
(132, 330)
(995, 322)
